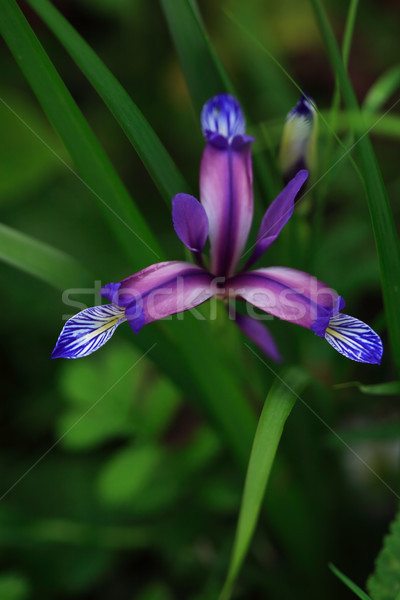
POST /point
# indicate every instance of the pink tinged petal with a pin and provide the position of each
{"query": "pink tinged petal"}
(87, 331)
(354, 339)
(190, 221)
(277, 215)
(226, 192)
(259, 335)
(286, 293)
(161, 290)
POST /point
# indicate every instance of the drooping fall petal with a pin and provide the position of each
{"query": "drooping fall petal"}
(354, 339)
(87, 331)
(259, 334)
(161, 290)
(286, 293)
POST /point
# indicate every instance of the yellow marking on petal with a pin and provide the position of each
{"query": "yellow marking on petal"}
(104, 327)
(336, 334)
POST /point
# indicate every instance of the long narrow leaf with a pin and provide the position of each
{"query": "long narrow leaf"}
(382, 89)
(203, 72)
(218, 391)
(277, 407)
(389, 388)
(91, 161)
(350, 584)
(137, 129)
(326, 162)
(40, 260)
(386, 239)
(383, 124)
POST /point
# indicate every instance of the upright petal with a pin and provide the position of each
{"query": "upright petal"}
(87, 331)
(277, 215)
(226, 182)
(299, 136)
(222, 119)
(259, 334)
(354, 339)
(286, 293)
(190, 221)
(160, 290)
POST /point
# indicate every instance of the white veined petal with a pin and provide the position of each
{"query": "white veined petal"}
(87, 331)
(354, 339)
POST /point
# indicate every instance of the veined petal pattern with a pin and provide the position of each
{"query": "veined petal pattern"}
(87, 331)
(354, 339)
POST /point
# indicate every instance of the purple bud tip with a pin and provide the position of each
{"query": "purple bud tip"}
(302, 109)
(222, 119)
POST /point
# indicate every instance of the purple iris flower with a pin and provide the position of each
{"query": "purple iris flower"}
(224, 216)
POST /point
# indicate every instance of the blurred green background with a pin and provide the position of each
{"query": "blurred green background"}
(115, 482)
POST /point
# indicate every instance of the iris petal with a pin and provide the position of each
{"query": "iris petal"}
(288, 294)
(354, 339)
(277, 215)
(190, 221)
(161, 290)
(222, 119)
(226, 192)
(87, 331)
(259, 335)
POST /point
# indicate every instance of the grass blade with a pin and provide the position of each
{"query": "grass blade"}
(352, 586)
(40, 260)
(389, 388)
(219, 391)
(147, 144)
(277, 407)
(204, 74)
(382, 89)
(386, 239)
(321, 190)
(265, 50)
(91, 161)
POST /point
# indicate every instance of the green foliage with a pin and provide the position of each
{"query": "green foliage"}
(350, 584)
(147, 144)
(382, 90)
(128, 473)
(13, 587)
(39, 259)
(389, 388)
(278, 405)
(384, 583)
(122, 473)
(39, 161)
(90, 159)
(203, 72)
(386, 237)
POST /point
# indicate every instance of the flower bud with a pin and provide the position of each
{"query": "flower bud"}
(298, 143)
